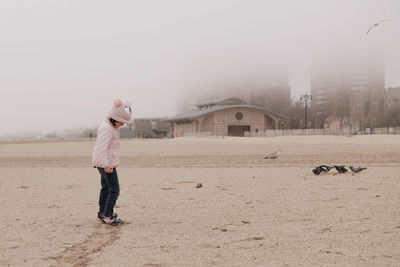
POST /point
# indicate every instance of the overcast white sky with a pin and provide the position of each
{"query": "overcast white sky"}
(63, 62)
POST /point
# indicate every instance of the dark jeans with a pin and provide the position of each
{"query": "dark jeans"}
(109, 191)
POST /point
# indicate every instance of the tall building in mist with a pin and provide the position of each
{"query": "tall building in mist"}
(393, 97)
(271, 92)
(351, 90)
(330, 96)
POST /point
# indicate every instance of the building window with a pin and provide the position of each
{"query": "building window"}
(239, 116)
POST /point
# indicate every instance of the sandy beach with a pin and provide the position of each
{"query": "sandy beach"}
(249, 211)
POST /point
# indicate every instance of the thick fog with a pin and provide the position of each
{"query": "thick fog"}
(63, 62)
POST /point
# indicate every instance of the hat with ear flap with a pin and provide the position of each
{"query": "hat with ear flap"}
(121, 110)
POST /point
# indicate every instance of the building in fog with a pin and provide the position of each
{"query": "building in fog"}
(393, 97)
(330, 97)
(353, 93)
(230, 117)
(273, 97)
(367, 107)
(269, 90)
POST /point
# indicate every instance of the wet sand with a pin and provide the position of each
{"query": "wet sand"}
(249, 212)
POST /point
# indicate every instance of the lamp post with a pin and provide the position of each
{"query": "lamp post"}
(305, 98)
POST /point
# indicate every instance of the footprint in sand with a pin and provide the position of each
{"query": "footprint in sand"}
(326, 229)
(71, 186)
(257, 238)
(208, 245)
(364, 231)
(221, 229)
(168, 188)
(80, 254)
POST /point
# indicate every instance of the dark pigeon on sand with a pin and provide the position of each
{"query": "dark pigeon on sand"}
(317, 170)
(326, 168)
(340, 168)
(321, 168)
(357, 169)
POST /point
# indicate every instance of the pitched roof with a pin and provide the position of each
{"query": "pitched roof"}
(222, 102)
(199, 113)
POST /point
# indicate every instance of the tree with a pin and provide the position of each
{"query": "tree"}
(297, 114)
(391, 117)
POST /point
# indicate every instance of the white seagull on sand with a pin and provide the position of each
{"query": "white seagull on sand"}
(273, 155)
(376, 24)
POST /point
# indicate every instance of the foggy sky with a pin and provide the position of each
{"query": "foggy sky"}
(63, 62)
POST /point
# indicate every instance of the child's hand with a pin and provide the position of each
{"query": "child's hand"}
(108, 169)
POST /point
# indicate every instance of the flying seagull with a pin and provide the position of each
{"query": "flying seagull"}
(273, 155)
(357, 169)
(340, 168)
(376, 24)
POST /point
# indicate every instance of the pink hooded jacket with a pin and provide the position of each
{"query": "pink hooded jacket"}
(106, 151)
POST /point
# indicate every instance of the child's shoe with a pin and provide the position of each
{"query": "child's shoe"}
(111, 221)
(100, 215)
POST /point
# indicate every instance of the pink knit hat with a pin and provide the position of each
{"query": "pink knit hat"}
(121, 110)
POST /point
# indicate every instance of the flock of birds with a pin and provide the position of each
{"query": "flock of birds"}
(340, 168)
(322, 168)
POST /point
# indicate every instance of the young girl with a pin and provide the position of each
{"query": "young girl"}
(106, 159)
